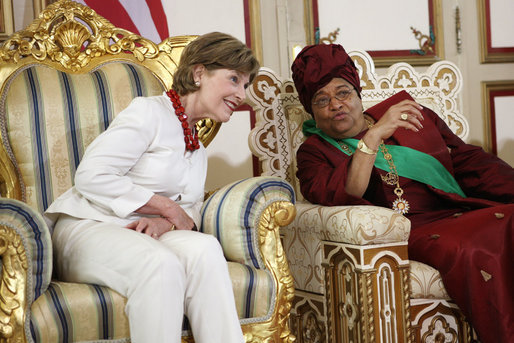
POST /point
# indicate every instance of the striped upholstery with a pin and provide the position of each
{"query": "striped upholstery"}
(254, 291)
(101, 311)
(235, 212)
(51, 117)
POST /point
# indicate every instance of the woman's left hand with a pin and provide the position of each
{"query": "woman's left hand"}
(405, 114)
(151, 226)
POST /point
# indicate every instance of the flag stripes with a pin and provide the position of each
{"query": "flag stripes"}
(143, 17)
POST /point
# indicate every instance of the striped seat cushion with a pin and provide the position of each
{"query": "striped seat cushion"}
(50, 117)
(73, 312)
(254, 291)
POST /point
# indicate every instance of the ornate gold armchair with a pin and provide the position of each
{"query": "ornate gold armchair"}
(353, 279)
(62, 80)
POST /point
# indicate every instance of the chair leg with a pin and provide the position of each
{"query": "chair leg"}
(367, 290)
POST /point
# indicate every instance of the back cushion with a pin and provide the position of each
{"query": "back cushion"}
(50, 117)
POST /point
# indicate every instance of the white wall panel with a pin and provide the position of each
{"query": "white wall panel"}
(504, 125)
(374, 25)
(200, 16)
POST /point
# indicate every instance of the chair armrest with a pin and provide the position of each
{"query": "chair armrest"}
(246, 217)
(315, 226)
(240, 213)
(26, 252)
(360, 225)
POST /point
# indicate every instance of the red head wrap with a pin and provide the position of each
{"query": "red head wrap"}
(316, 65)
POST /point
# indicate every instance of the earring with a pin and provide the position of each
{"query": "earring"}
(197, 83)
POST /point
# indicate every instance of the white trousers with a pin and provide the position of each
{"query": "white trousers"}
(184, 272)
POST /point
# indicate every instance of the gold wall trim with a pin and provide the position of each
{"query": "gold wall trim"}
(487, 88)
(308, 20)
(6, 19)
(487, 56)
(254, 8)
(423, 60)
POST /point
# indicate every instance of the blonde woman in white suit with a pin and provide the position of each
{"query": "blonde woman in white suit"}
(129, 223)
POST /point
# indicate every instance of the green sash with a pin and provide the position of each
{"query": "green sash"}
(426, 168)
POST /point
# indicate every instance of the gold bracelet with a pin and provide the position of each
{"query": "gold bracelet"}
(365, 149)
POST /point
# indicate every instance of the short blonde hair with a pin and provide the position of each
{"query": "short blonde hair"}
(213, 50)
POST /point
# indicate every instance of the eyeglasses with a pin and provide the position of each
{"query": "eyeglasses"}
(324, 100)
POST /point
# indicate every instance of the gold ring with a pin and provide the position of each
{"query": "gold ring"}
(404, 116)
(172, 227)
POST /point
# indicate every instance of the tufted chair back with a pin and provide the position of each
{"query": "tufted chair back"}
(49, 117)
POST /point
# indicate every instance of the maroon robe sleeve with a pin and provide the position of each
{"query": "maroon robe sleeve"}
(480, 174)
(322, 171)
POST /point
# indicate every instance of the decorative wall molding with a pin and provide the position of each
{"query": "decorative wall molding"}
(492, 90)
(488, 52)
(431, 43)
(6, 19)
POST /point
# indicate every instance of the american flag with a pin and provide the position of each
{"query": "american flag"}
(143, 17)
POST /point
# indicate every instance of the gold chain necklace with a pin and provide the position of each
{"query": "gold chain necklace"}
(400, 205)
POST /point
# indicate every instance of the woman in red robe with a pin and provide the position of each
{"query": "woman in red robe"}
(399, 154)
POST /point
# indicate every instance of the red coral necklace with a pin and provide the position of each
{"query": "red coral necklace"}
(190, 136)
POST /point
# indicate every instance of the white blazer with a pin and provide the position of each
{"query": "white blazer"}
(141, 153)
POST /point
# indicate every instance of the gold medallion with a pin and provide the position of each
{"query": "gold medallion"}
(401, 206)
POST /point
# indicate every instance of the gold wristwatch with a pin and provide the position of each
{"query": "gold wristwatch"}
(365, 149)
